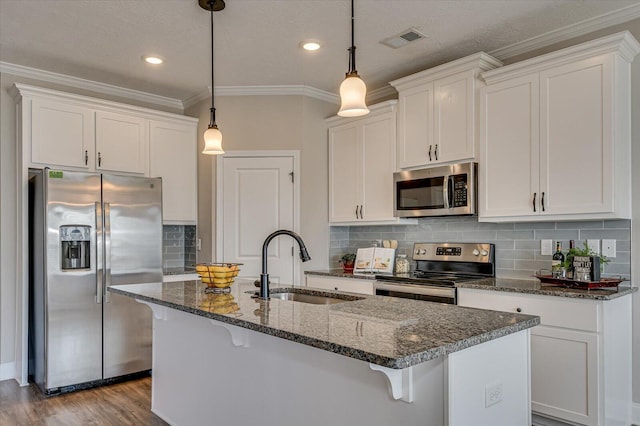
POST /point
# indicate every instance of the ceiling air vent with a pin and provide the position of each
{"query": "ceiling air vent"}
(405, 37)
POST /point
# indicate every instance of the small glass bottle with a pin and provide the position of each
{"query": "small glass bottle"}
(402, 264)
(557, 262)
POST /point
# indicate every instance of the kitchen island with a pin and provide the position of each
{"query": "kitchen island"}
(236, 360)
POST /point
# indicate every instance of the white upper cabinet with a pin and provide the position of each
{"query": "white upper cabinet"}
(437, 114)
(122, 143)
(361, 166)
(71, 132)
(61, 134)
(173, 156)
(555, 139)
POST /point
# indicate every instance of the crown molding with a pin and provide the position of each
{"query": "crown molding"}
(623, 44)
(383, 92)
(587, 26)
(94, 86)
(276, 90)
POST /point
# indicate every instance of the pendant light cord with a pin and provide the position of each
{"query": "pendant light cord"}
(213, 109)
(352, 56)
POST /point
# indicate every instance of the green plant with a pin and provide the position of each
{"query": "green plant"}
(584, 251)
(348, 258)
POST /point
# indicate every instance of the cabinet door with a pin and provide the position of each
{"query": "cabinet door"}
(576, 138)
(454, 120)
(344, 172)
(509, 148)
(415, 127)
(172, 156)
(564, 374)
(378, 165)
(121, 143)
(61, 135)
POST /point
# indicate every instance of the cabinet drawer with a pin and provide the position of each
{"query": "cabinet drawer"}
(353, 285)
(553, 311)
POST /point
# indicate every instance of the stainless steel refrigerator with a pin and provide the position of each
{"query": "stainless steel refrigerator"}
(90, 231)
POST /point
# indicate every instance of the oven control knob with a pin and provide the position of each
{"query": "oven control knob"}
(422, 251)
(484, 252)
(476, 252)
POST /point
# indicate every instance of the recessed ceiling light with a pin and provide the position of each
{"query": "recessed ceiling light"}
(310, 45)
(153, 60)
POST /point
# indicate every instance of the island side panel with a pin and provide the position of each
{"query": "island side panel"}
(201, 378)
(489, 384)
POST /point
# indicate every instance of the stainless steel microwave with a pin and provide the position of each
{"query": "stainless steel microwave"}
(437, 191)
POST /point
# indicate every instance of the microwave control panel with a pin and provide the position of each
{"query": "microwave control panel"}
(460, 198)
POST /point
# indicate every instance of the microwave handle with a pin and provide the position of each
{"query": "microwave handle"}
(446, 192)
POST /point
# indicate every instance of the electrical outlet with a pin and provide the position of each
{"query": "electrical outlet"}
(594, 246)
(609, 248)
(199, 244)
(492, 394)
(546, 247)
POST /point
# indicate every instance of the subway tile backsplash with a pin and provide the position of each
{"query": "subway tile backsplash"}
(178, 246)
(517, 244)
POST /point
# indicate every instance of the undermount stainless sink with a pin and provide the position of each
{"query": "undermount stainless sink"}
(310, 296)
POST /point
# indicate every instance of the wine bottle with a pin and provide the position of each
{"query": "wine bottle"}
(557, 261)
(569, 258)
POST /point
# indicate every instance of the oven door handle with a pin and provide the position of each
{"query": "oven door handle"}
(417, 289)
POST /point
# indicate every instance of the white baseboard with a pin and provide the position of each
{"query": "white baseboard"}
(635, 414)
(7, 371)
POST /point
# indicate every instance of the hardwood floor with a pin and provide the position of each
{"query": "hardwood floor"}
(127, 403)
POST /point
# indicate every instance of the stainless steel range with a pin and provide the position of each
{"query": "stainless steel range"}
(439, 266)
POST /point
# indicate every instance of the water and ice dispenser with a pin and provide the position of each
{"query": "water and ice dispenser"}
(75, 247)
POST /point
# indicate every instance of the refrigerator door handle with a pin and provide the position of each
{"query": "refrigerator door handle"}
(107, 252)
(99, 259)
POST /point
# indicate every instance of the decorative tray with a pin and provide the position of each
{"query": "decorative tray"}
(566, 282)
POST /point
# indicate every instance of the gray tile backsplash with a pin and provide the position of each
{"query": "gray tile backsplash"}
(517, 244)
(178, 246)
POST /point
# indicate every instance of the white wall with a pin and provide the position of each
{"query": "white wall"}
(257, 123)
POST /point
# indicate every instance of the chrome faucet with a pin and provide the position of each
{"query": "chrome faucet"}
(264, 276)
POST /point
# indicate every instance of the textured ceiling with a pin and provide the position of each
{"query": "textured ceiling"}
(256, 41)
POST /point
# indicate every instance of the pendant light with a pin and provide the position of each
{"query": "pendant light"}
(353, 90)
(212, 136)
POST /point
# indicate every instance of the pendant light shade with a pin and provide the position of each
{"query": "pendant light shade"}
(353, 90)
(212, 136)
(352, 95)
(213, 141)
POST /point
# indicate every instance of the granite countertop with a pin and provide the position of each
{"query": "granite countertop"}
(179, 271)
(532, 286)
(341, 273)
(391, 332)
(536, 287)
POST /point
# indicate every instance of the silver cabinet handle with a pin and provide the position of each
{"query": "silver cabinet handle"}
(429, 152)
(98, 252)
(107, 252)
(534, 201)
(86, 157)
(99, 159)
(436, 152)
(542, 201)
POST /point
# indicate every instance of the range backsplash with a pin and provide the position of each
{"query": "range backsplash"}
(178, 246)
(517, 244)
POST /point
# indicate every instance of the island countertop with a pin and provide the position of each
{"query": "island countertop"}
(391, 332)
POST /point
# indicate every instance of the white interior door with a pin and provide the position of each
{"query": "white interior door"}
(257, 199)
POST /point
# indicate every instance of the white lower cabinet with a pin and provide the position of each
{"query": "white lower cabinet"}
(352, 285)
(580, 354)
